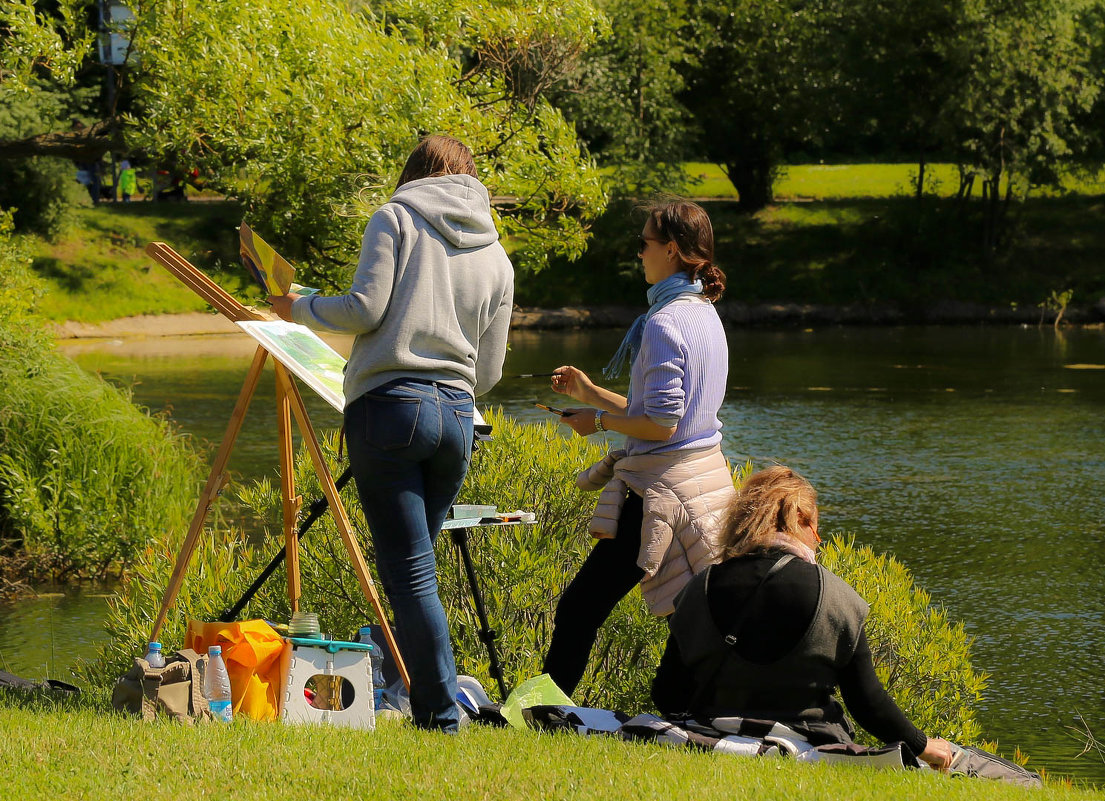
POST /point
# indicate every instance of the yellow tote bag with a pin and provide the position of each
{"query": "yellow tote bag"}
(251, 650)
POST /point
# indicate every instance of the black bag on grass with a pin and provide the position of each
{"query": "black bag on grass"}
(9, 681)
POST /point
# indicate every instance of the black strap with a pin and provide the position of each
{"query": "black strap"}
(731, 638)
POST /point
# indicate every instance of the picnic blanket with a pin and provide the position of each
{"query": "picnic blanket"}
(737, 736)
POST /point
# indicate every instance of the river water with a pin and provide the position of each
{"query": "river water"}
(972, 454)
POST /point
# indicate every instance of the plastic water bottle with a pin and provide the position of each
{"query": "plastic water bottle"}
(154, 655)
(216, 685)
(376, 655)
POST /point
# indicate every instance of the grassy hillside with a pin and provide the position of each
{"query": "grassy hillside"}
(99, 271)
(91, 754)
(840, 234)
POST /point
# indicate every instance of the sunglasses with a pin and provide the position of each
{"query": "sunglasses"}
(642, 243)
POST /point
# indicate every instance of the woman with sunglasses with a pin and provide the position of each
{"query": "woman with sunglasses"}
(769, 634)
(663, 496)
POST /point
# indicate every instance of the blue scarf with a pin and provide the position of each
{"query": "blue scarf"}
(659, 296)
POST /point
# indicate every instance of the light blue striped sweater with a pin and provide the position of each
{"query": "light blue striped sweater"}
(679, 376)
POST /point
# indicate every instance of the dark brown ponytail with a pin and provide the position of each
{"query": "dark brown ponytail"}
(687, 226)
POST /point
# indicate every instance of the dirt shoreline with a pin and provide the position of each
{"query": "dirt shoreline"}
(782, 315)
(801, 315)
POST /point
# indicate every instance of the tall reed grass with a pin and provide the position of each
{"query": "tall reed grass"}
(86, 478)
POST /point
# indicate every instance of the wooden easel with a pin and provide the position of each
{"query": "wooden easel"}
(288, 403)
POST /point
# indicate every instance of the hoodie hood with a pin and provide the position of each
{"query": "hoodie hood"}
(456, 206)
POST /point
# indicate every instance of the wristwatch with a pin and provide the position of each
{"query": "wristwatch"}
(598, 420)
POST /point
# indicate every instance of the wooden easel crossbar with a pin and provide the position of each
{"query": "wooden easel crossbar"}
(289, 404)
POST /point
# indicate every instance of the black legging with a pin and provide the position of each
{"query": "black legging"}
(609, 573)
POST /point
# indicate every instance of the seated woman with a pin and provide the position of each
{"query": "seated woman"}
(769, 634)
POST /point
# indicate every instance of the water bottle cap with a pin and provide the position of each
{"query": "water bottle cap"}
(215, 650)
(155, 646)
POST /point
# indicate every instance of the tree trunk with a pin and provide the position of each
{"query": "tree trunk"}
(966, 184)
(920, 179)
(753, 179)
(991, 196)
(986, 217)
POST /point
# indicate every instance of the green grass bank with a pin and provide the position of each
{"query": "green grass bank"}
(839, 235)
(86, 477)
(91, 753)
(853, 235)
(98, 270)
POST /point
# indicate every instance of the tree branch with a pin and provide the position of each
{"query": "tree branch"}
(80, 144)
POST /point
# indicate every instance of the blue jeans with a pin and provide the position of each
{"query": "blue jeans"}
(410, 442)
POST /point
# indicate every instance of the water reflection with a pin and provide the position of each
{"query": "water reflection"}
(42, 637)
(972, 454)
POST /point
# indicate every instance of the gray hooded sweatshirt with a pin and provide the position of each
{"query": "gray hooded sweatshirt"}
(432, 295)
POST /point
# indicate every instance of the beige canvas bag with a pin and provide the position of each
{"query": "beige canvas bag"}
(175, 690)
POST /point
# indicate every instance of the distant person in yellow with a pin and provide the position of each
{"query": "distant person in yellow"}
(128, 180)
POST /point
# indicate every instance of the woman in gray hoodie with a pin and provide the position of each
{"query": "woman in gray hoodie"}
(430, 306)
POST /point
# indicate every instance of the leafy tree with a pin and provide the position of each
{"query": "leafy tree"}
(1093, 122)
(308, 116)
(46, 65)
(39, 190)
(1014, 118)
(762, 79)
(624, 101)
(899, 64)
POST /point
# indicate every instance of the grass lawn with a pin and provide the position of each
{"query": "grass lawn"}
(877, 251)
(858, 250)
(838, 181)
(824, 181)
(99, 271)
(88, 753)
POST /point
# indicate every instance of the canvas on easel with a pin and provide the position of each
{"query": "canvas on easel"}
(301, 350)
(295, 353)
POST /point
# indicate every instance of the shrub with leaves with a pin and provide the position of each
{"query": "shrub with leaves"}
(21, 288)
(522, 571)
(222, 565)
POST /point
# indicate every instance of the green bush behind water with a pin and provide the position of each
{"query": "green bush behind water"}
(922, 657)
(86, 478)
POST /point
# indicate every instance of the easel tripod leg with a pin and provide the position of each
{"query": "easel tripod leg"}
(341, 519)
(487, 634)
(287, 486)
(216, 479)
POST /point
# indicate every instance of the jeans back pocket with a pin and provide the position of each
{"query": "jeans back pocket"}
(390, 422)
(465, 418)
